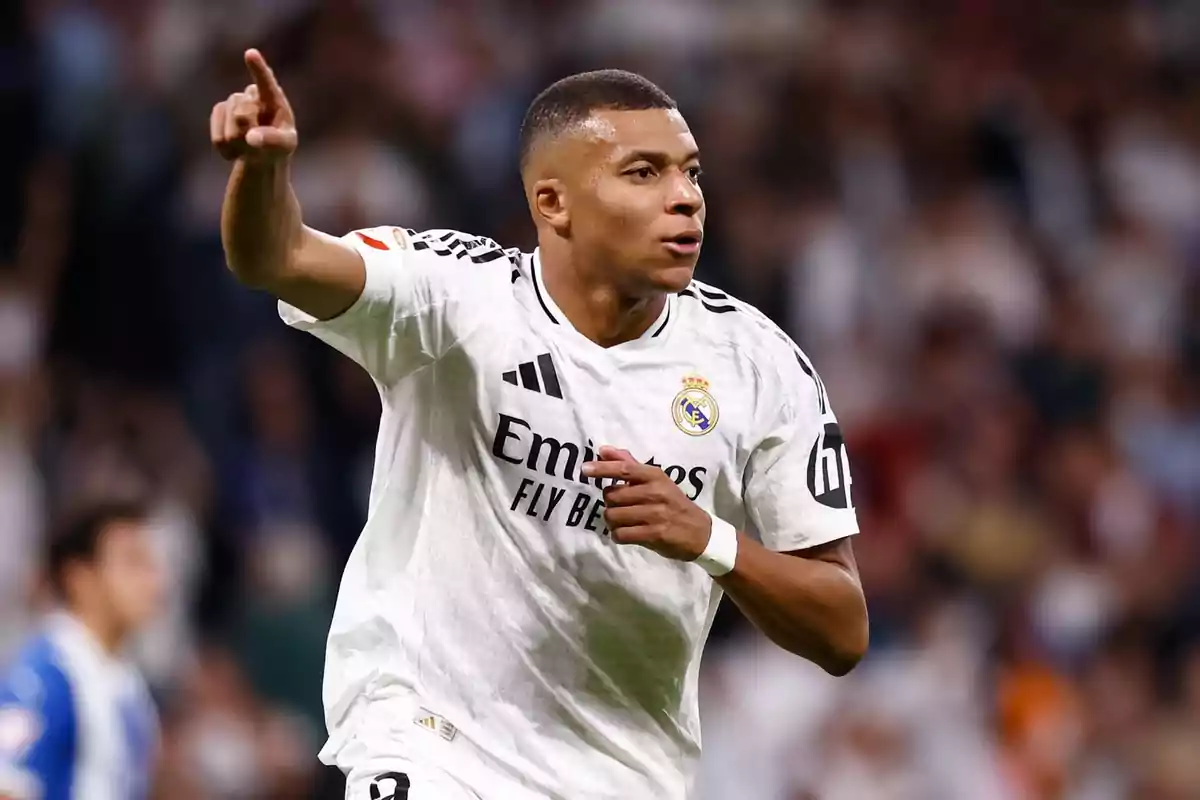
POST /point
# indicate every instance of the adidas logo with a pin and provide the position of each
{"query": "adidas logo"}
(436, 723)
(538, 376)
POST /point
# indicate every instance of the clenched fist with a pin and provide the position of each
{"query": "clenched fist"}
(256, 123)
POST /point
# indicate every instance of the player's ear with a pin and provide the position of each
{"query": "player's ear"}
(74, 579)
(550, 203)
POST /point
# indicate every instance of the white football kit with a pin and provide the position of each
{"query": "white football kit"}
(487, 627)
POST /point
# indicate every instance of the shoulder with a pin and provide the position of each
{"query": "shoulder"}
(726, 321)
(440, 243)
(438, 266)
(37, 676)
(462, 246)
(36, 698)
(726, 318)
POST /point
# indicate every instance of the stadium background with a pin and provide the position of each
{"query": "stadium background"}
(981, 218)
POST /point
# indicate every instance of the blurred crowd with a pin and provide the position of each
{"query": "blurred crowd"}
(981, 218)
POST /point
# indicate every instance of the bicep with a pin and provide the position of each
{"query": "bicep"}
(839, 552)
(326, 276)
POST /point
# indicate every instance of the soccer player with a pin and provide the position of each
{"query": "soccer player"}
(581, 449)
(76, 719)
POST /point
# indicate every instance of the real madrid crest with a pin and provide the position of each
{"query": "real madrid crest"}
(694, 409)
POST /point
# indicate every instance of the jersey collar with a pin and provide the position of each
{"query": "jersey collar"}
(652, 335)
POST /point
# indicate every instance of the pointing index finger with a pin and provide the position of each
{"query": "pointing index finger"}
(269, 90)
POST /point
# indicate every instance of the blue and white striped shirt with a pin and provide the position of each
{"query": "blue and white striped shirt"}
(75, 722)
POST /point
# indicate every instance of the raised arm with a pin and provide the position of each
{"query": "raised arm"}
(267, 245)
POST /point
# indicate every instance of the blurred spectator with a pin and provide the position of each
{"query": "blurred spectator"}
(222, 742)
(280, 633)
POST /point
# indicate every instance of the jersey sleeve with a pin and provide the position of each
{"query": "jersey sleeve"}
(416, 303)
(37, 732)
(797, 486)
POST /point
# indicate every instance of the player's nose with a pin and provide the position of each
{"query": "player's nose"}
(684, 197)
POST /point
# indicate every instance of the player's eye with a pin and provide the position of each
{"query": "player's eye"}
(642, 173)
(694, 173)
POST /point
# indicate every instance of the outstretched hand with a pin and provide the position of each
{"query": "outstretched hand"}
(646, 508)
(256, 123)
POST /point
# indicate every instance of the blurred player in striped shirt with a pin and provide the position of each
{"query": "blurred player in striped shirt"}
(76, 718)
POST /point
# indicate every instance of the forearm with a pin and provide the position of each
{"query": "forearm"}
(268, 247)
(261, 228)
(810, 607)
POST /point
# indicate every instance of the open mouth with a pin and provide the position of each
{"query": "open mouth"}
(684, 243)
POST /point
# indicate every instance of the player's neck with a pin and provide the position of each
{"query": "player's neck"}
(111, 637)
(595, 307)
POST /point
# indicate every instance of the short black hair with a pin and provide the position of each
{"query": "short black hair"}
(77, 537)
(571, 100)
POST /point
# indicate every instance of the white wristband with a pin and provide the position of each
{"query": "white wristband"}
(721, 552)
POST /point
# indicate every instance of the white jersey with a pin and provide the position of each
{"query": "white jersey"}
(486, 623)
